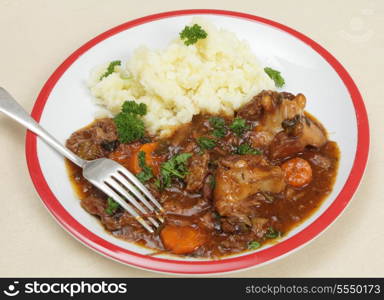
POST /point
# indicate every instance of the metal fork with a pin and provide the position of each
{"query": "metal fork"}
(107, 175)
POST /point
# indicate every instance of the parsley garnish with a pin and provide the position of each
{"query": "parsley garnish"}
(275, 76)
(272, 233)
(206, 143)
(253, 245)
(111, 68)
(190, 35)
(112, 206)
(134, 108)
(146, 172)
(218, 125)
(129, 126)
(174, 167)
(238, 126)
(245, 148)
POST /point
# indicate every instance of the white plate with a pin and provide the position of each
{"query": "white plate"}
(65, 105)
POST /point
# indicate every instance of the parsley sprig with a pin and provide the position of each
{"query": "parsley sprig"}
(128, 124)
(176, 167)
(218, 125)
(239, 126)
(272, 233)
(254, 245)
(245, 148)
(191, 34)
(112, 206)
(146, 172)
(275, 76)
(206, 143)
(111, 68)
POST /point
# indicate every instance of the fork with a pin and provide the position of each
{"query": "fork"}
(105, 174)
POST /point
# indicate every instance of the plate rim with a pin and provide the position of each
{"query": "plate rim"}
(224, 265)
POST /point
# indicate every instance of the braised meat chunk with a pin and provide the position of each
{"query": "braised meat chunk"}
(198, 170)
(94, 141)
(238, 178)
(283, 126)
(296, 136)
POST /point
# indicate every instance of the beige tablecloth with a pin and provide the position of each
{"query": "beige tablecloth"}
(37, 35)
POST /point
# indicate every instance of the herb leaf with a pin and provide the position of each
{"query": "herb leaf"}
(206, 143)
(238, 126)
(174, 167)
(190, 35)
(275, 76)
(245, 148)
(111, 68)
(218, 125)
(112, 206)
(253, 245)
(128, 125)
(272, 233)
(146, 172)
(134, 108)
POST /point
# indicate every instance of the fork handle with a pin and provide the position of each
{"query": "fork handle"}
(11, 108)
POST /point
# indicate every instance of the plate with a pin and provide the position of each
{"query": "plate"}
(65, 105)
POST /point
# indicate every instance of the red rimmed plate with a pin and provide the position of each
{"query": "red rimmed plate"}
(64, 105)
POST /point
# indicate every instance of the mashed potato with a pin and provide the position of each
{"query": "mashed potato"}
(216, 75)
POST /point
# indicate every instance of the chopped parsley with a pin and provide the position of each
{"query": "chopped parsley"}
(245, 148)
(238, 126)
(146, 172)
(129, 127)
(174, 167)
(111, 68)
(253, 245)
(272, 233)
(134, 108)
(128, 124)
(206, 143)
(275, 76)
(191, 34)
(112, 206)
(218, 125)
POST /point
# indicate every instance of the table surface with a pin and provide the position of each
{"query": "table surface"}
(36, 36)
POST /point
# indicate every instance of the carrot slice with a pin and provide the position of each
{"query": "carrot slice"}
(182, 239)
(128, 156)
(150, 161)
(297, 172)
(124, 154)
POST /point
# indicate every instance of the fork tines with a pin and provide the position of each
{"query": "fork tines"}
(124, 187)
